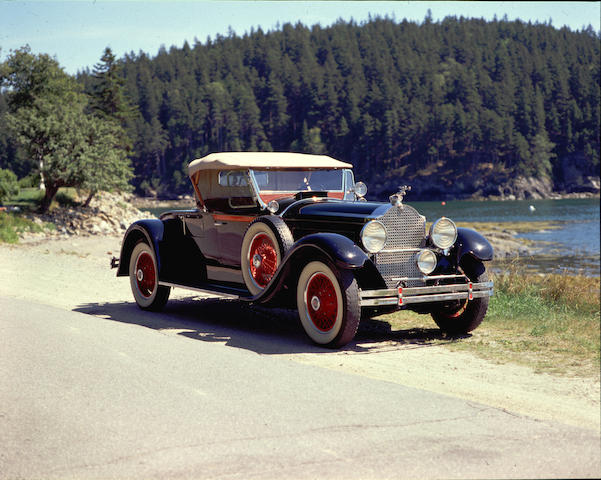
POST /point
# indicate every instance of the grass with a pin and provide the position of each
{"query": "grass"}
(11, 225)
(517, 227)
(547, 322)
(29, 199)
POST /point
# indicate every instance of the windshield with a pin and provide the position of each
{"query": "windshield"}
(292, 181)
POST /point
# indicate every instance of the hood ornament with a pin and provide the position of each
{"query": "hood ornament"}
(397, 199)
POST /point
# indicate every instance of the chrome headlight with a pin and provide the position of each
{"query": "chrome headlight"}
(373, 236)
(426, 261)
(443, 233)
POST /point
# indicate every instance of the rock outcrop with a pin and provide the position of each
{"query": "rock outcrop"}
(432, 187)
(108, 214)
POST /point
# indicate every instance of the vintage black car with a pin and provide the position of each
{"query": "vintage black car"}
(294, 230)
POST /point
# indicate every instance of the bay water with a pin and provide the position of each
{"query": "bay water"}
(572, 246)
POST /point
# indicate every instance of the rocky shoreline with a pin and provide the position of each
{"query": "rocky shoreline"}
(108, 214)
(482, 183)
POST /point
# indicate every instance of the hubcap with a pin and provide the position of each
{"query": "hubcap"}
(315, 303)
(324, 302)
(264, 260)
(145, 274)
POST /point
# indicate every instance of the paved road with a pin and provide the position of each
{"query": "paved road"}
(89, 397)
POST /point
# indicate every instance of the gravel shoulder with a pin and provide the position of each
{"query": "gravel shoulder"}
(70, 272)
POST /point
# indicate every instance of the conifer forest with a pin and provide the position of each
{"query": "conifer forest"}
(459, 99)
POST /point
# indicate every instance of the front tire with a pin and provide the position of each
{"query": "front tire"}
(468, 315)
(144, 279)
(328, 304)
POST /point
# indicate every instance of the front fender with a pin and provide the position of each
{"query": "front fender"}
(149, 230)
(470, 242)
(340, 250)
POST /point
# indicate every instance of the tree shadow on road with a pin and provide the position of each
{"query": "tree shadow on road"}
(259, 329)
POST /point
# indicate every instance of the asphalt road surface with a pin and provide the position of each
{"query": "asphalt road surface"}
(118, 396)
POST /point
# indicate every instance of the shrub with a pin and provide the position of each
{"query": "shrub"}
(9, 186)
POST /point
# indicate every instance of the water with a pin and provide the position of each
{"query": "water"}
(572, 247)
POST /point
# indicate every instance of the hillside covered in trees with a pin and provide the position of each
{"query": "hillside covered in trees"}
(458, 106)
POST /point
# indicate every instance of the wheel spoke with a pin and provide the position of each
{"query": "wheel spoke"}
(322, 303)
(263, 259)
(145, 274)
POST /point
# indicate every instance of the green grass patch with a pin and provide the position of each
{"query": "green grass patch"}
(12, 225)
(517, 227)
(547, 322)
(29, 199)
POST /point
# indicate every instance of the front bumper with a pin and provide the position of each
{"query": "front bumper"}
(402, 296)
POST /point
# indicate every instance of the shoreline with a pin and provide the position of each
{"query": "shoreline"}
(157, 202)
(111, 214)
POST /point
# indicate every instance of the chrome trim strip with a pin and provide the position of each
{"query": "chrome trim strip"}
(376, 302)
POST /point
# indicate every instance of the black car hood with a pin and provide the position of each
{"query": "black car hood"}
(324, 209)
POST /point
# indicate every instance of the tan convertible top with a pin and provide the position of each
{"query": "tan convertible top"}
(264, 161)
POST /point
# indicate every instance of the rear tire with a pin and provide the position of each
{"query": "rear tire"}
(144, 279)
(328, 304)
(467, 316)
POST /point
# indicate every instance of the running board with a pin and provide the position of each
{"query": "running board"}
(226, 292)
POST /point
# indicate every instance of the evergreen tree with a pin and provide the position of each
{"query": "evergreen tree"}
(424, 98)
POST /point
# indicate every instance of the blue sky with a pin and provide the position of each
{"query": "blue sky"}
(76, 32)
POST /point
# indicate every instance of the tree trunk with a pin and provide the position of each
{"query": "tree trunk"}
(89, 199)
(51, 192)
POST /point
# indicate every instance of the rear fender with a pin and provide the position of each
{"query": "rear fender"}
(151, 231)
(470, 242)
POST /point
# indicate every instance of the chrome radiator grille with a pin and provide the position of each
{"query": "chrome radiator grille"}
(406, 229)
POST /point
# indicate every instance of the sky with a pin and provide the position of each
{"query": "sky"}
(77, 32)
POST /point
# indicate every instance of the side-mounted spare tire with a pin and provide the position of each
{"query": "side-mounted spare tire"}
(265, 243)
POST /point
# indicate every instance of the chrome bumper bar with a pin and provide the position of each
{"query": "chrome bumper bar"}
(439, 293)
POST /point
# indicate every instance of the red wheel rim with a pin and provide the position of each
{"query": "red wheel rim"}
(322, 302)
(145, 274)
(263, 260)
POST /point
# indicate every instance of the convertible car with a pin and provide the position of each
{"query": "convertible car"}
(295, 230)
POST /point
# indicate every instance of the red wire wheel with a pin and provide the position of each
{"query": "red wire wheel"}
(145, 274)
(322, 302)
(264, 245)
(263, 259)
(144, 278)
(327, 299)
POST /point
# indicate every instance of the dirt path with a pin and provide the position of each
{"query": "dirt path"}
(71, 272)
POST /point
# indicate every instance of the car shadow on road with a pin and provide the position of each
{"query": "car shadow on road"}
(259, 329)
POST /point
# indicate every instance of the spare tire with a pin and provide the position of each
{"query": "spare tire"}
(265, 243)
